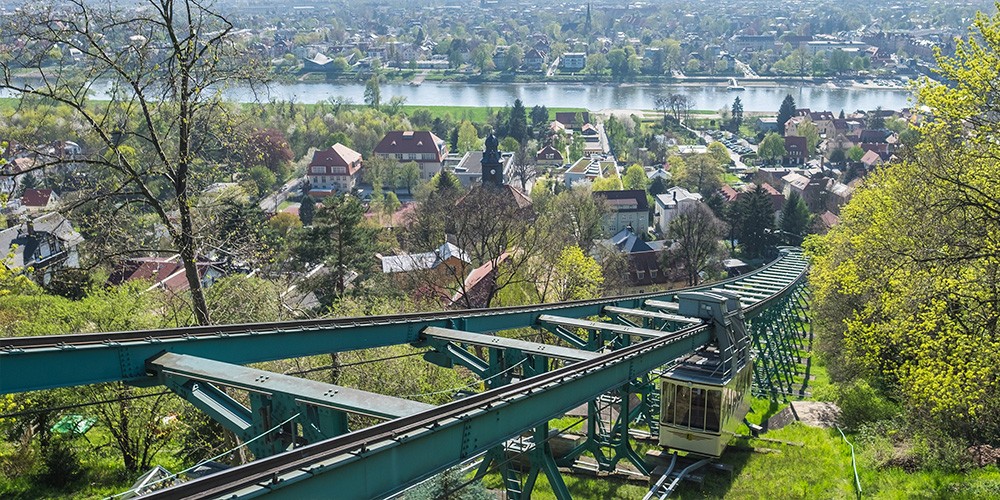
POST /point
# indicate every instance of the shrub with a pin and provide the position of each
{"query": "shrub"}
(860, 403)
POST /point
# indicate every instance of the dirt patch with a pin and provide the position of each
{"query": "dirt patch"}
(816, 413)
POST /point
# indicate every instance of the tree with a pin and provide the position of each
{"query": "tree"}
(786, 111)
(577, 276)
(700, 173)
(737, 114)
(513, 57)
(771, 148)
(373, 92)
(597, 63)
(697, 234)
(719, 153)
(307, 209)
(875, 119)
(523, 167)
(164, 101)
(855, 153)
(906, 284)
(517, 122)
(840, 61)
(339, 240)
(635, 178)
(755, 220)
(468, 137)
(808, 130)
(795, 219)
(539, 122)
(409, 175)
(576, 147)
(607, 184)
(284, 223)
(269, 148)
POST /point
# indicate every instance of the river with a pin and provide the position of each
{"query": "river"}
(595, 96)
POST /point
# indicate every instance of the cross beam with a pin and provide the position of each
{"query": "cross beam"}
(305, 391)
(492, 341)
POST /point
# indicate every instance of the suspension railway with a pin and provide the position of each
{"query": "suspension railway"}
(609, 351)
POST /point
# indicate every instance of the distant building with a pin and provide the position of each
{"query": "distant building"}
(470, 169)
(549, 156)
(626, 209)
(674, 202)
(534, 60)
(643, 258)
(44, 244)
(421, 146)
(166, 273)
(573, 61)
(795, 151)
(39, 200)
(334, 169)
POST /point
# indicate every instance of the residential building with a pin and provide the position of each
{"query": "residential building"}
(534, 60)
(166, 273)
(674, 202)
(445, 256)
(421, 146)
(795, 151)
(39, 200)
(44, 245)
(573, 61)
(643, 258)
(590, 168)
(626, 209)
(549, 156)
(335, 169)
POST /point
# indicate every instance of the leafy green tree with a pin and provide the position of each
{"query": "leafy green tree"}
(597, 63)
(719, 153)
(539, 122)
(468, 137)
(906, 284)
(755, 219)
(576, 147)
(284, 223)
(373, 92)
(840, 61)
(855, 153)
(606, 184)
(795, 220)
(808, 130)
(700, 173)
(635, 178)
(409, 176)
(786, 111)
(771, 148)
(578, 276)
(263, 179)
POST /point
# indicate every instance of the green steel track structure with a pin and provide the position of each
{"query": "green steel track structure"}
(612, 349)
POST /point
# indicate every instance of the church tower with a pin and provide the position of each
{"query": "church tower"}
(491, 164)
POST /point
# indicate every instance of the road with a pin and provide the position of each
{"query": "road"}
(271, 202)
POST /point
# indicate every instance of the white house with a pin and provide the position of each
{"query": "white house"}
(671, 204)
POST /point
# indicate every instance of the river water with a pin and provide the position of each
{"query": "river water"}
(594, 96)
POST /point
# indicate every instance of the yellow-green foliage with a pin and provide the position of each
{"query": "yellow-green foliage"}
(907, 286)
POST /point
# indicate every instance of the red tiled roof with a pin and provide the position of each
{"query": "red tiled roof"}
(36, 197)
(337, 156)
(410, 141)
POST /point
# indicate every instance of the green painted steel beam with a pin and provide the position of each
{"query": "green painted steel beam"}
(494, 342)
(305, 391)
(383, 468)
(642, 313)
(663, 305)
(600, 326)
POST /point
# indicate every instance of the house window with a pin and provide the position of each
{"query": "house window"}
(640, 275)
(652, 274)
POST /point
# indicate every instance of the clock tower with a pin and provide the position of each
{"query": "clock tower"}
(491, 164)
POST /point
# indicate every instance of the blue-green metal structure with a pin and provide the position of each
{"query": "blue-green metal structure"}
(606, 350)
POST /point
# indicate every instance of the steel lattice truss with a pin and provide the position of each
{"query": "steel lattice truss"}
(608, 354)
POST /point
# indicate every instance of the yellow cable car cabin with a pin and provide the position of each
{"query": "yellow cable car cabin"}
(703, 395)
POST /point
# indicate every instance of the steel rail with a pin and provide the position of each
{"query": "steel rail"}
(268, 471)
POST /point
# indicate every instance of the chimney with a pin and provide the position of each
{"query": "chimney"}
(675, 196)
